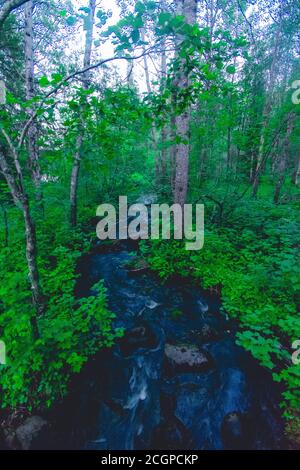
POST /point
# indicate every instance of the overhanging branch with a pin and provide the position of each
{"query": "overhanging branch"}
(8, 7)
(68, 79)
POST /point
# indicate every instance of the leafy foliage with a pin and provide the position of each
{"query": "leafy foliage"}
(37, 372)
(255, 265)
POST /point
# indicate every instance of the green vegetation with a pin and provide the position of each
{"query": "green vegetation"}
(71, 330)
(214, 120)
(254, 265)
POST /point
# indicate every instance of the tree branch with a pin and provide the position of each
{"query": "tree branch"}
(8, 7)
(69, 78)
(247, 21)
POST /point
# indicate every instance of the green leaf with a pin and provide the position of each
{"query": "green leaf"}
(71, 20)
(56, 78)
(43, 82)
(135, 35)
(140, 7)
(85, 10)
(230, 69)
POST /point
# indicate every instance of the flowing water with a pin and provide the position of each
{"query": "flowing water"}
(130, 397)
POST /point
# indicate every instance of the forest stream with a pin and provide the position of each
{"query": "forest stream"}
(176, 380)
(156, 342)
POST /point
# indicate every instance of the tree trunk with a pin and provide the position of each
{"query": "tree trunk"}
(20, 199)
(266, 113)
(5, 221)
(163, 165)
(297, 173)
(130, 78)
(74, 182)
(33, 150)
(202, 166)
(146, 68)
(172, 154)
(86, 83)
(188, 8)
(283, 160)
(89, 42)
(259, 161)
(31, 255)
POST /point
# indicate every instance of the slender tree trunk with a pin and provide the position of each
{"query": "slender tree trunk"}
(33, 149)
(79, 141)
(266, 112)
(5, 220)
(164, 151)
(165, 131)
(203, 160)
(130, 77)
(259, 161)
(188, 8)
(251, 173)
(146, 68)
(89, 42)
(31, 255)
(74, 181)
(283, 160)
(20, 198)
(228, 161)
(296, 174)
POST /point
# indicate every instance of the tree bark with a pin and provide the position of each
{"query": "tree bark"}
(162, 164)
(8, 7)
(33, 149)
(188, 8)
(146, 68)
(283, 160)
(296, 174)
(5, 220)
(20, 198)
(74, 181)
(79, 141)
(266, 112)
(31, 255)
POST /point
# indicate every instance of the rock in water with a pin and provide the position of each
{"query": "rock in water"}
(151, 304)
(206, 333)
(235, 431)
(137, 266)
(138, 337)
(29, 431)
(185, 358)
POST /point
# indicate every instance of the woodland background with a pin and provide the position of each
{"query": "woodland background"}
(195, 105)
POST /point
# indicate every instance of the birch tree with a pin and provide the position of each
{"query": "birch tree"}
(79, 142)
(188, 8)
(32, 134)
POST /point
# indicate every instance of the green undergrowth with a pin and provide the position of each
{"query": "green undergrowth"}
(37, 372)
(255, 264)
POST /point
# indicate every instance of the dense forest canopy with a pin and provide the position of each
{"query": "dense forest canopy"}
(194, 101)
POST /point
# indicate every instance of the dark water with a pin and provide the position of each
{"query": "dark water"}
(126, 398)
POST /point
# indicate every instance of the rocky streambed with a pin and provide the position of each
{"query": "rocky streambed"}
(176, 380)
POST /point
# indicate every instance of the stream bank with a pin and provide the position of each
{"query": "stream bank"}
(176, 380)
